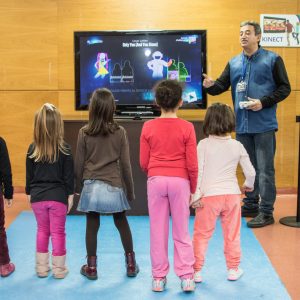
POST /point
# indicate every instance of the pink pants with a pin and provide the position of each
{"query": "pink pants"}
(228, 207)
(51, 219)
(165, 195)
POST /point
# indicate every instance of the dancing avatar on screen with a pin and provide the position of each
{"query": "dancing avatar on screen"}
(101, 65)
(127, 72)
(178, 71)
(157, 64)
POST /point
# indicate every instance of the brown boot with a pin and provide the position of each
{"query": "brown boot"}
(90, 269)
(42, 264)
(59, 269)
(131, 266)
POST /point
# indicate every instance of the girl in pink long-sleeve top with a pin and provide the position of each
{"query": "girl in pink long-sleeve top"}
(169, 157)
(218, 193)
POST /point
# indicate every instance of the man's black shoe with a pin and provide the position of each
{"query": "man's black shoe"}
(261, 220)
(250, 213)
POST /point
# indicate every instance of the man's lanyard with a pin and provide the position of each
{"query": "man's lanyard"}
(244, 68)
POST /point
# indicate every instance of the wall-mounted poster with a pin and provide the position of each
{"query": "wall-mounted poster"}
(280, 30)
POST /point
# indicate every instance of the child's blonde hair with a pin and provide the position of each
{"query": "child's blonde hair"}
(48, 134)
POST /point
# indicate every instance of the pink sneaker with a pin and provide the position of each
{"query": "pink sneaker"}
(6, 270)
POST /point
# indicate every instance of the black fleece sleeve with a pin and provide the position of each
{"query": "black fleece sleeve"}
(282, 82)
(5, 171)
(222, 84)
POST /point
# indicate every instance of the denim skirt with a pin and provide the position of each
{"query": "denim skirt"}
(101, 197)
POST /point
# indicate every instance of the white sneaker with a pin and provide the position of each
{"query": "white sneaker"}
(159, 284)
(188, 285)
(235, 274)
(198, 277)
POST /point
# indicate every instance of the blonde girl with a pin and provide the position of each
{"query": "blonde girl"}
(49, 186)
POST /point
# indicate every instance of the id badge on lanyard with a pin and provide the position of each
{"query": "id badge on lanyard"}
(242, 85)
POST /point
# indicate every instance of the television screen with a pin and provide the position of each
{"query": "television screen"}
(131, 63)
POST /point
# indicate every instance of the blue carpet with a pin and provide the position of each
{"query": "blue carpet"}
(260, 280)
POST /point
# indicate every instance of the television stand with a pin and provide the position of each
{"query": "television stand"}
(133, 129)
(137, 113)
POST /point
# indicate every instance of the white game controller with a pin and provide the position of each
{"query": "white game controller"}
(244, 104)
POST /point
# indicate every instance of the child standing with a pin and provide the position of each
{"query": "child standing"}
(168, 156)
(102, 165)
(6, 189)
(49, 186)
(218, 193)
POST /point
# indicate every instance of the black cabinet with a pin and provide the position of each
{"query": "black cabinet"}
(133, 128)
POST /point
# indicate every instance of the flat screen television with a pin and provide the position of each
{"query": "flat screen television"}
(130, 63)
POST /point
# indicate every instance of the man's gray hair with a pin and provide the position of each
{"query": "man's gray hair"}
(256, 26)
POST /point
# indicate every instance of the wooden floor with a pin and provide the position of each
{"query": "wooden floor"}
(281, 243)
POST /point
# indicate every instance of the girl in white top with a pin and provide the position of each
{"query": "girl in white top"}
(218, 193)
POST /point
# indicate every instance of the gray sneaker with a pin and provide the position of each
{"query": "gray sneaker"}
(261, 220)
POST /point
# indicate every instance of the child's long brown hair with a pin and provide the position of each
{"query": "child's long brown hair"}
(48, 135)
(101, 113)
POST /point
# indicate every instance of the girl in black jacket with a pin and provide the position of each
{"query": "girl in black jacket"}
(6, 190)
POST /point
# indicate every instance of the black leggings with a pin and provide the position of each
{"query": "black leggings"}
(92, 227)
